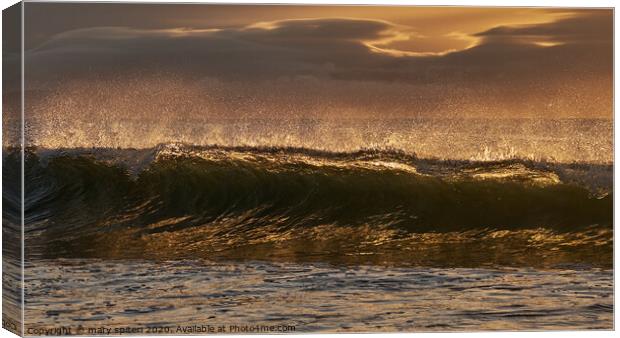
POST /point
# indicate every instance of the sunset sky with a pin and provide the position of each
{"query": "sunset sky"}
(326, 60)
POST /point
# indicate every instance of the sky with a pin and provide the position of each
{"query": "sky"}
(327, 61)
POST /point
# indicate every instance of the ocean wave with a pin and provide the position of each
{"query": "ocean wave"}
(235, 195)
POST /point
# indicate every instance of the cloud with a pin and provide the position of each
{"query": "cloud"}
(585, 28)
(264, 50)
(343, 29)
(303, 46)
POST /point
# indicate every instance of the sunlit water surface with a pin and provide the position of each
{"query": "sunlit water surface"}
(314, 297)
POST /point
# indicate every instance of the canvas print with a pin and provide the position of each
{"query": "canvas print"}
(235, 169)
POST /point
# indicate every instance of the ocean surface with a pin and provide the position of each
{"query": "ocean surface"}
(417, 225)
(173, 296)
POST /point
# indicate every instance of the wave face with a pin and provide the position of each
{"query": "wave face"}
(176, 201)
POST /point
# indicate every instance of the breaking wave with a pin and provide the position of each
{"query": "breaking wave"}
(179, 201)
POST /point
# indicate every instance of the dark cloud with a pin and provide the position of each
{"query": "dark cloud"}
(340, 29)
(585, 28)
(270, 50)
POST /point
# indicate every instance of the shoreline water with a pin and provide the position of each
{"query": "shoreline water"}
(314, 297)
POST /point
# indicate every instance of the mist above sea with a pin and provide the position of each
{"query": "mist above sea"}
(480, 139)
